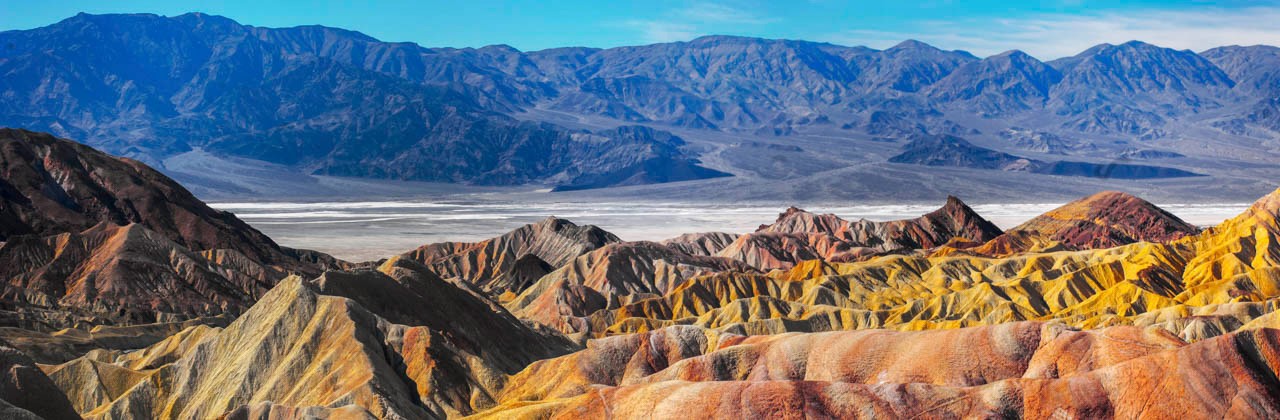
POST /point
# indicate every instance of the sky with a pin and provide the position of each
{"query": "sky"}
(1047, 29)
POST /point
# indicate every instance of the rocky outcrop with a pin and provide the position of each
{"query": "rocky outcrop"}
(87, 238)
(1088, 332)
(1103, 220)
(397, 343)
(1023, 369)
(798, 236)
(503, 264)
(124, 275)
(609, 277)
(25, 391)
(50, 186)
(706, 243)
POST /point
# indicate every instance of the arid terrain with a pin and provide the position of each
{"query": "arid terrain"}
(121, 302)
(267, 218)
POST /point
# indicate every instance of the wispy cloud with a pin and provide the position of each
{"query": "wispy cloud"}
(654, 31)
(694, 19)
(1054, 36)
(707, 12)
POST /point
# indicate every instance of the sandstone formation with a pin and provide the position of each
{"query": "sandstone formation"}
(798, 236)
(1150, 284)
(1103, 220)
(399, 343)
(89, 239)
(50, 186)
(609, 277)
(706, 243)
(1012, 370)
(670, 331)
(25, 391)
(502, 264)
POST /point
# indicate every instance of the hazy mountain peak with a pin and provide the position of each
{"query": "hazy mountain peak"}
(912, 44)
(504, 48)
(727, 39)
(1137, 44)
(1254, 68)
(1006, 82)
(1129, 76)
(204, 18)
(1014, 55)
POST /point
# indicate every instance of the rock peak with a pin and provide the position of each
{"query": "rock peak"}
(912, 44)
(1103, 220)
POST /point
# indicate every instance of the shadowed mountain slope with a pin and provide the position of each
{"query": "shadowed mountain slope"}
(25, 391)
(52, 186)
(952, 151)
(94, 239)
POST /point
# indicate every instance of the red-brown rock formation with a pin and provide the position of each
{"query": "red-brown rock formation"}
(89, 239)
(493, 265)
(50, 186)
(1103, 220)
(1020, 370)
(798, 235)
(610, 277)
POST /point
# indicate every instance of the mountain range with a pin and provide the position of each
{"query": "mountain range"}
(1094, 309)
(327, 101)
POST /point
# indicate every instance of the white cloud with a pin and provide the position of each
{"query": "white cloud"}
(707, 12)
(653, 31)
(693, 20)
(1053, 36)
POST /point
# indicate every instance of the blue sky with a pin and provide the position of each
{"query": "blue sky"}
(1047, 29)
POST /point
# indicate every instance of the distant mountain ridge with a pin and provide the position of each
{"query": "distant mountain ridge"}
(324, 100)
(337, 102)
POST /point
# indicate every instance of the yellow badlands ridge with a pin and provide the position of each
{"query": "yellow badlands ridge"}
(1225, 277)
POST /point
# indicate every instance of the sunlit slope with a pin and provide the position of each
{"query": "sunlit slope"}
(1103, 220)
(399, 343)
(1014, 370)
(1142, 283)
